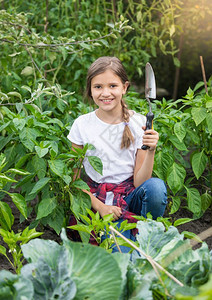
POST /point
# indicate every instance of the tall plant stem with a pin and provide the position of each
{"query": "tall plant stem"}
(203, 74)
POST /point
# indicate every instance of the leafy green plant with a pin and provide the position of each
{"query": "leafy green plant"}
(175, 255)
(92, 225)
(183, 156)
(205, 292)
(95, 226)
(58, 41)
(14, 242)
(82, 271)
(43, 55)
(6, 179)
(35, 140)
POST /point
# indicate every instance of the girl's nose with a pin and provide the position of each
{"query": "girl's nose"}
(105, 92)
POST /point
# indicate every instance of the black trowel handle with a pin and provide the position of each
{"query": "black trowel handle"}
(149, 125)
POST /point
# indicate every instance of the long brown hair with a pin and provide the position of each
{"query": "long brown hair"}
(99, 66)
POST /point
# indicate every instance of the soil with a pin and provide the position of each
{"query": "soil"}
(196, 226)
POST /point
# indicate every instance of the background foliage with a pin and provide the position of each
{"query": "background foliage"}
(46, 48)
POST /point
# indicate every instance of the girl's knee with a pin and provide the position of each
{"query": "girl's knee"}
(155, 190)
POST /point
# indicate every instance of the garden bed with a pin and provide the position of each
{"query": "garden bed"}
(196, 226)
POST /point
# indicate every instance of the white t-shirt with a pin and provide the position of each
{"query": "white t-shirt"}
(118, 164)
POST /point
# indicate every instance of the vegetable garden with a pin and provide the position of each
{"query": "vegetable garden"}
(43, 70)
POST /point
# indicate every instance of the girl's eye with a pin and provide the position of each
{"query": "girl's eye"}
(97, 87)
(113, 85)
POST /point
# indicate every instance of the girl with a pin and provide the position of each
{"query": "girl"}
(117, 133)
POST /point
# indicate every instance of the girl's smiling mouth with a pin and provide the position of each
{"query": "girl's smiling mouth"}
(106, 100)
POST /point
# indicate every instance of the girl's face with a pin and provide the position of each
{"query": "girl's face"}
(107, 91)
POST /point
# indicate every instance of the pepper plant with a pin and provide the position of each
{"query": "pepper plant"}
(35, 140)
(183, 155)
(12, 239)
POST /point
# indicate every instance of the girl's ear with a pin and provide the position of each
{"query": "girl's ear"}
(126, 85)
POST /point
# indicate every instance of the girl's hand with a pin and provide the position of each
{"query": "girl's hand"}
(110, 209)
(150, 138)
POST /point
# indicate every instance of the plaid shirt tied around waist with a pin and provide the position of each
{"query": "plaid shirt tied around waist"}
(120, 191)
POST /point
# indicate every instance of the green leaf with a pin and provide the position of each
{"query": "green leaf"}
(57, 167)
(96, 163)
(198, 114)
(29, 234)
(176, 176)
(153, 238)
(163, 162)
(206, 200)
(3, 177)
(190, 93)
(47, 249)
(208, 103)
(19, 123)
(40, 166)
(45, 207)
(83, 263)
(182, 221)
(80, 227)
(67, 179)
(55, 121)
(198, 85)
(27, 88)
(39, 185)
(22, 161)
(5, 140)
(193, 135)
(80, 184)
(177, 143)
(199, 162)
(209, 122)
(20, 203)
(15, 287)
(56, 219)
(27, 71)
(177, 62)
(6, 216)
(24, 180)
(180, 131)
(49, 283)
(194, 200)
(123, 262)
(175, 204)
(41, 151)
(27, 136)
(15, 94)
(4, 125)
(80, 202)
(19, 107)
(3, 250)
(191, 235)
(19, 172)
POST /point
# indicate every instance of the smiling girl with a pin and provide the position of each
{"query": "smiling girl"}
(126, 187)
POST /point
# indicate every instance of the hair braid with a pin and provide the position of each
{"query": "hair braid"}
(127, 137)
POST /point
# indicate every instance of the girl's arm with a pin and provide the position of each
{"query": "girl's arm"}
(96, 204)
(145, 158)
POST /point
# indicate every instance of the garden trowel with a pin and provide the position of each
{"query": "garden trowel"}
(150, 93)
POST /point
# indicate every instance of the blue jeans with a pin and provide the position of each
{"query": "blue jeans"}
(150, 196)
